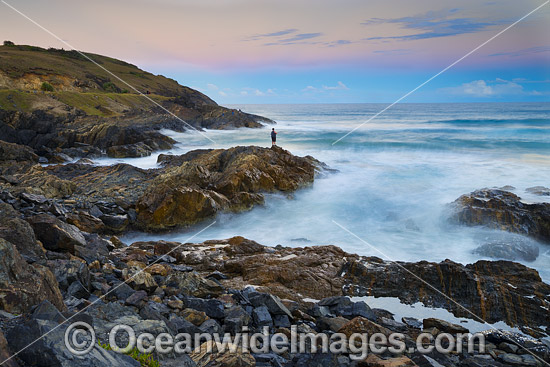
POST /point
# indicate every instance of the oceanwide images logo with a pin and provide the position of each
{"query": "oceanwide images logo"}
(80, 339)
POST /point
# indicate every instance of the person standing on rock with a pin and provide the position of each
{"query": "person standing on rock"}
(273, 137)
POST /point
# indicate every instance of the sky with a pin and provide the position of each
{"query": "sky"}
(322, 51)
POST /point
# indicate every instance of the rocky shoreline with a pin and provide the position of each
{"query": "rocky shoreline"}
(60, 256)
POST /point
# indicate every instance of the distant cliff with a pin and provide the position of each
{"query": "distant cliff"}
(57, 99)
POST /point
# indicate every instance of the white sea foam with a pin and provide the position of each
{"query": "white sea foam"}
(396, 176)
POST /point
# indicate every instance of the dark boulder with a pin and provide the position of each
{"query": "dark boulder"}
(261, 317)
(17, 231)
(56, 235)
(503, 210)
(22, 285)
(511, 247)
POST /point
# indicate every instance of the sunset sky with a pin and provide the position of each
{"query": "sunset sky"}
(284, 51)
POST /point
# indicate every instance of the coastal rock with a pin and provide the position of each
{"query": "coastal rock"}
(444, 326)
(17, 231)
(363, 326)
(208, 355)
(539, 190)
(16, 152)
(86, 222)
(56, 235)
(22, 285)
(512, 247)
(200, 183)
(192, 284)
(5, 353)
(503, 210)
(42, 344)
(493, 290)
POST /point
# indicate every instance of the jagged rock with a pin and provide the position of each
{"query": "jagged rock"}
(136, 298)
(192, 284)
(362, 325)
(46, 311)
(280, 321)
(211, 307)
(211, 327)
(494, 290)
(56, 235)
(116, 223)
(181, 325)
(121, 291)
(131, 150)
(193, 316)
(78, 290)
(444, 326)
(69, 271)
(86, 222)
(539, 190)
(139, 280)
(503, 210)
(261, 317)
(16, 152)
(331, 323)
(5, 353)
(235, 318)
(96, 249)
(273, 303)
(200, 183)
(23, 285)
(20, 233)
(412, 322)
(513, 247)
(42, 344)
(207, 355)
(32, 198)
(343, 306)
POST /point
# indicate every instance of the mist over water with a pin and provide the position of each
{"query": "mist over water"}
(396, 176)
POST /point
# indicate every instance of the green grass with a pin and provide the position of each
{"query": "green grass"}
(14, 100)
(146, 360)
(97, 104)
(19, 60)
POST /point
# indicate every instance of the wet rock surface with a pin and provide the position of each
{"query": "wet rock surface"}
(214, 287)
(511, 247)
(185, 190)
(503, 210)
(492, 290)
(58, 258)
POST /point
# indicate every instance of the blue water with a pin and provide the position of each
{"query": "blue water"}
(396, 175)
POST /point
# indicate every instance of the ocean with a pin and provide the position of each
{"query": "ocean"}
(396, 176)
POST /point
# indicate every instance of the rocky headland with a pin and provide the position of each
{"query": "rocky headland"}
(64, 106)
(61, 260)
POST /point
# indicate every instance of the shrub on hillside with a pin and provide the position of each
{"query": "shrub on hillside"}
(110, 87)
(47, 87)
(9, 43)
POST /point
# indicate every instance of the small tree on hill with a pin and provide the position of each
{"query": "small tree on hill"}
(47, 87)
(9, 43)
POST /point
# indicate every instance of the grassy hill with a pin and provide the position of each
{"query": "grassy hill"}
(57, 80)
(59, 101)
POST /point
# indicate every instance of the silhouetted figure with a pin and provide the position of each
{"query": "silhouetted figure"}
(273, 137)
